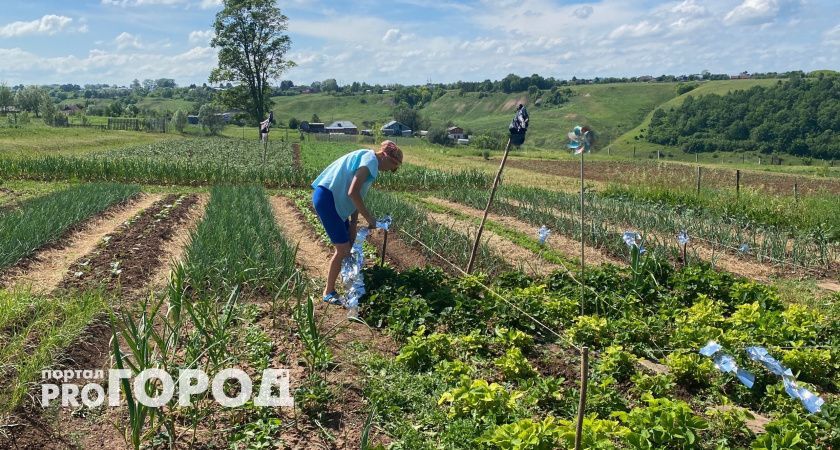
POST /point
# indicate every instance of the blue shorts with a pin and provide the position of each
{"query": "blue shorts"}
(337, 229)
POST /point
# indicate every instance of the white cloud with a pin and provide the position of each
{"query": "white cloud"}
(125, 3)
(583, 12)
(641, 29)
(753, 12)
(200, 36)
(210, 4)
(391, 36)
(832, 36)
(127, 40)
(48, 25)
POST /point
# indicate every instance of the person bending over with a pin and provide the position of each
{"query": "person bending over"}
(338, 197)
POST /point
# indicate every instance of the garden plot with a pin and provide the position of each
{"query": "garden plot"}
(48, 266)
(46, 219)
(128, 257)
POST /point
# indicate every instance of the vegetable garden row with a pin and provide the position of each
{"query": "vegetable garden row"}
(442, 360)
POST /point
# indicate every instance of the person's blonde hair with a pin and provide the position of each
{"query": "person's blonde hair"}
(391, 149)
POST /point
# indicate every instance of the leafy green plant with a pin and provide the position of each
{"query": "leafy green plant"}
(789, 432)
(423, 352)
(662, 423)
(480, 400)
(690, 370)
(514, 365)
(588, 330)
(525, 434)
(728, 426)
(659, 385)
(616, 362)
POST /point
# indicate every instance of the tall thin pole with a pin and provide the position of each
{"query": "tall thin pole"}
(487, 209)
(582, 259)
(584, 383)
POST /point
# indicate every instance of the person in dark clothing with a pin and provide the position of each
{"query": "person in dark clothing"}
(265, 127)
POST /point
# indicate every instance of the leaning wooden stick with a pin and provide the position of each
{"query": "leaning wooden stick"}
(487, 210)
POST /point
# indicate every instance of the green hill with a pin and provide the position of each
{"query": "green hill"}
(357, 108)
(610, 108)
(625, 144)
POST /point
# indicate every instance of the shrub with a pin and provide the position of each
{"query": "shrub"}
(179, 121)
(210, 119)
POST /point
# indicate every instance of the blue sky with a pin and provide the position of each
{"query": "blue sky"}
(412, 41)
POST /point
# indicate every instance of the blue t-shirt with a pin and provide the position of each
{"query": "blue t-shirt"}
(338, 176)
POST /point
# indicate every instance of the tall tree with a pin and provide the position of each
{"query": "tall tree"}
(252, 47)
(6, 97)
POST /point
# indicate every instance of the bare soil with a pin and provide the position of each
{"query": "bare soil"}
(568, 247)
(174, 248)
(521, 257)
(345, 418)
(47, 267)
(129, 256)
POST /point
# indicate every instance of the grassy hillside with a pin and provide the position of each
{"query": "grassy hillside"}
(357, 109)
(623, 146)
(609, 108)
(612, 107)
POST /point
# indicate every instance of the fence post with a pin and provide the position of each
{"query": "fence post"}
(634, 151)
(699, 169)
(657, 154)
(584, 381)
(795, 192)
(738, 183)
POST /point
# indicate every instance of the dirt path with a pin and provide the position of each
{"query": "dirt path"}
(347, 417)
(49, 266)
(400, 254)
(519, 257)
(311, 255)
(173, 250)
(562, 244)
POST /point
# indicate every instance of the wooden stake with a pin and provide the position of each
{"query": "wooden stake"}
(795, 192)
(698, 179)
(384, 246)
(487, 209)
(584, 381)
(738, 183)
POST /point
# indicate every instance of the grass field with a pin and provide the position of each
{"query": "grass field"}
(38, 139)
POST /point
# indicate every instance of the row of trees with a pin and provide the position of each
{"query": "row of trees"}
(799, 117)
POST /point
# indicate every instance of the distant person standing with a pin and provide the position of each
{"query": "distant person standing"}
(265, 127)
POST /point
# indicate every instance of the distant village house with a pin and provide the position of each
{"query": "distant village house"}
(342, 127)
(394, 128)
(455, 133)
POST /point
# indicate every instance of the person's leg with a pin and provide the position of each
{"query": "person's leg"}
(341, 251)
(337, 230)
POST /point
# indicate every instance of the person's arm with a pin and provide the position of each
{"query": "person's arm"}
(355, 194)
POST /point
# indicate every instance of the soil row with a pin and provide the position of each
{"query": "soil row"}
(129, 256)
